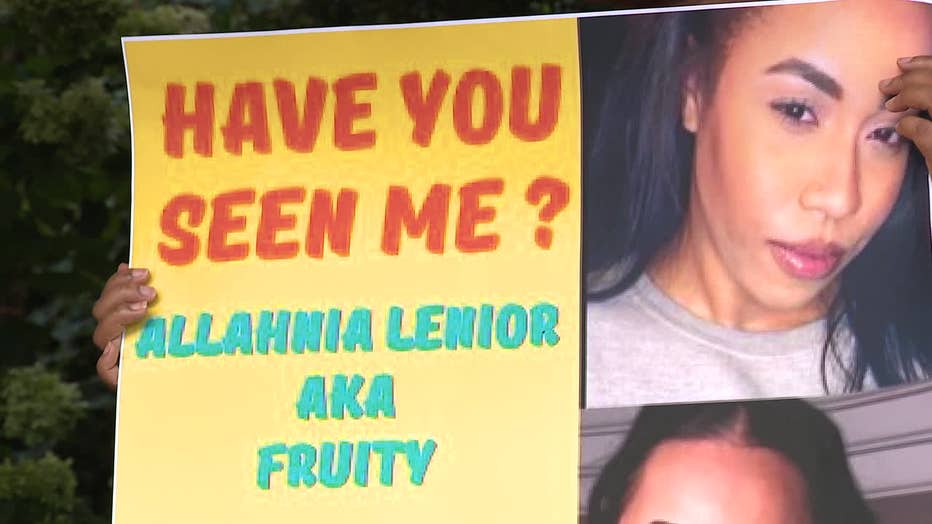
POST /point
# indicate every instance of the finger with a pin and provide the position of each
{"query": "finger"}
(892, 86)
(122, 273)
(912, 63)
(919, 131)
(125, 274)
(113, 325)
(113, 299)
(919, 98)
(118, 296)
(108, 368)
(919, 80)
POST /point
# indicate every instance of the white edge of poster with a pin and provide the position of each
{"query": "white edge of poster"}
(132, 215)
(495, 20)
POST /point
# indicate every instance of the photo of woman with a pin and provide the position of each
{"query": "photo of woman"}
(768, 462)
(754, 224)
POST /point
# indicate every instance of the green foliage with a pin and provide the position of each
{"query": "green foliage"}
(163, 20)
(37, 408)
(63, 31)
(82, 121)
(40, 491)
(37, 411)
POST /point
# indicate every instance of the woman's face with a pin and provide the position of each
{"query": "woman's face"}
(716, 481)
(797, 164)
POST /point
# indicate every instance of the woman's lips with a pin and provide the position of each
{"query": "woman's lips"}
(812, 260)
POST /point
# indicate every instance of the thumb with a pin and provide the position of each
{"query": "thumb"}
(108, 365)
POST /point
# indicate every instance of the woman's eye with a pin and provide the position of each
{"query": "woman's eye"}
(796, 112)
(887, 136)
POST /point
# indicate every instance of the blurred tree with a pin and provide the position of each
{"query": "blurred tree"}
(64, 215)
(38, 410)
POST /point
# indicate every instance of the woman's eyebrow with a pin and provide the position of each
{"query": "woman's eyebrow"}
(810, 73)
(661, 522)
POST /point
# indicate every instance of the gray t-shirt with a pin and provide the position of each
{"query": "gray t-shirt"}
(644, 348)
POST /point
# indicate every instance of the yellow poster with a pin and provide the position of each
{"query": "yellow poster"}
(367, 249)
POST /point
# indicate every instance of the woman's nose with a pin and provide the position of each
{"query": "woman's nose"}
(834, 188)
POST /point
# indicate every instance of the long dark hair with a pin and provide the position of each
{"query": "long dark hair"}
(637, 185)
(798, 432)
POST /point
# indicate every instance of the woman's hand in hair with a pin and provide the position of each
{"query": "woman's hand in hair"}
(123, 302)
(912, 89)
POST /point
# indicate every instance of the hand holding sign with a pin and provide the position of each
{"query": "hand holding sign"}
(123, 302)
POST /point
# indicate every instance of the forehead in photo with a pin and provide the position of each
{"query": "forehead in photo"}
(767, 462)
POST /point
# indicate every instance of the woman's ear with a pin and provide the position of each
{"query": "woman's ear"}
(691, 97)
(692, 103)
